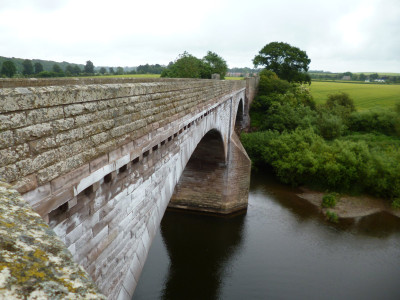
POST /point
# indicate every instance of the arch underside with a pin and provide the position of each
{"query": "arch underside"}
(202, 183)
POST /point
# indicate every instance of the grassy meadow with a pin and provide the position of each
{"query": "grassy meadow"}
(365, 96)
(130, 76)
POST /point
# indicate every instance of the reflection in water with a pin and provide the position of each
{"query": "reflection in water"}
(200, 248)
(282, 248)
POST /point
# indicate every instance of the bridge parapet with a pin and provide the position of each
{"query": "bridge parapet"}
(48, 131)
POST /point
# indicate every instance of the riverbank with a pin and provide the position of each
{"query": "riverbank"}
(350, 206)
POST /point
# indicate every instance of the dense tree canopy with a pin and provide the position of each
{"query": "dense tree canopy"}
(38, 67)
(217, 63)
(288, 62)
(89, 67)
(189, 66)
(57, 68)
(150, 69)
(27, 67)
(8, 68)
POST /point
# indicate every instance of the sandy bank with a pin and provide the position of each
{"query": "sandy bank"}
(350, 206)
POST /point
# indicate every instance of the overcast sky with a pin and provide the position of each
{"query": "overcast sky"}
(339, 36)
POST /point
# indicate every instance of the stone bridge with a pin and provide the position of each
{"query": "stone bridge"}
(101, 159)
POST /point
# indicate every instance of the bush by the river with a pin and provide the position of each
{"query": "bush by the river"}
(330, 146)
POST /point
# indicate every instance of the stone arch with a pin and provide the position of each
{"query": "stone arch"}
(239, 116)
(202, 181)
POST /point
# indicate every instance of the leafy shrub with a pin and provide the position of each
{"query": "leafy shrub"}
(396, 203)
(304, 157)
(270, 83)
(376, 121)
(332, 217)
(331, 126)
(341, 100)
(329, 200)
(287, 117)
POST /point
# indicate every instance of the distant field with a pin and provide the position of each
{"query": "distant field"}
(365, 96)
(130, 76)
(234, 78)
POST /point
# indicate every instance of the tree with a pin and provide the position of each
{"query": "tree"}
(187, 66)
(103, 70)
(373, 76)
(217, 64)
(288, 62)
(111, 70)
(76, 70)
(362, 77)
(27, 67)
(89, 67)
(38, 67)
(57, 68)
(120, 71)
(8, 69)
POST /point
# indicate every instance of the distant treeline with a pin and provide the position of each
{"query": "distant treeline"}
(18, 67)
(371, 77)
(242, 72)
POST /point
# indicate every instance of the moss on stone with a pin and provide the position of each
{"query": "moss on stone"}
(33, 260)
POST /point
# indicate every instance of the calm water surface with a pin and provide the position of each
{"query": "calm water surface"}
(282, 248)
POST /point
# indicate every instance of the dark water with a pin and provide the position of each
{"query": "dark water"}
(280, 249)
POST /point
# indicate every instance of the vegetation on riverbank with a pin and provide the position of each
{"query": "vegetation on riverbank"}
(329, 145)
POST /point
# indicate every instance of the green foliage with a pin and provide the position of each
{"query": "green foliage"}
(330, 126)
(89, 67)
(217, 63)
(396, 203)
(120, 71)
(341, 100)
(103, 70)
(332, 217)
(382, 121)
(8, 69)
(329, 200)
(189, 66)
(57, 68)
(28, 67)
(270, 83)
(288, 62)
(149, 69)
(304, 157)
(38, 67)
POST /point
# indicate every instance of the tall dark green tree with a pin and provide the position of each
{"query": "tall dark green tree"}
(8, 69)
(27, 67)
(38, 67)
(186, 66)
(288, 62)
(120, 71)
(89, 67)
(217, 63)
(76, 70)
(57, 68)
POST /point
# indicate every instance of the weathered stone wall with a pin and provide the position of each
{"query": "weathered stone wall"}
(47, 132)
(34, 263)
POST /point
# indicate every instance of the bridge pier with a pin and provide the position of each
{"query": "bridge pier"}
(208, 184)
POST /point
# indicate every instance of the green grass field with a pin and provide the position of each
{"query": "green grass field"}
(365, 96)
(130, 76)
(152, 76)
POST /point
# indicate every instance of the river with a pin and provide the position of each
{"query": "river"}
(281, 248)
